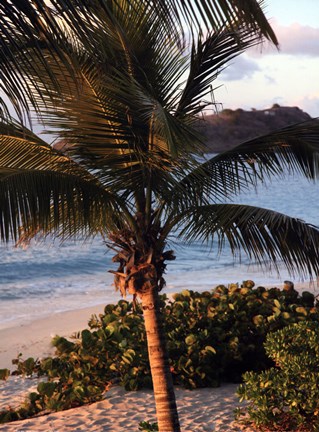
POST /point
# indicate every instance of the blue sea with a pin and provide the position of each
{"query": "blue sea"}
(48, 277)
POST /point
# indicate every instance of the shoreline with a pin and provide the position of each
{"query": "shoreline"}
(33, 339)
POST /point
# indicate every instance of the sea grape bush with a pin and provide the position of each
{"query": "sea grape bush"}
(212, 337)
(286, 396)
(216, 336)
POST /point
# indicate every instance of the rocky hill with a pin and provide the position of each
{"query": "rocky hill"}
(231, 127)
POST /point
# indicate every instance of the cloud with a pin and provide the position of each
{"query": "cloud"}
(309, 104)
(239, 68)
(270, 80)
(295, 39)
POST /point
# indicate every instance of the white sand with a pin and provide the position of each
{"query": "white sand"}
(199, 410)
(34, 339)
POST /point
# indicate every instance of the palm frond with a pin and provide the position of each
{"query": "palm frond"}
(100, 124)
(25, 27)
(172, 13)
(261, 233)
(42, 189)
(52, 202)
(208, 59)
(216, 13)
(294, 149)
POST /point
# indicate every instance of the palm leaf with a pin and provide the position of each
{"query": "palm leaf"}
(261, 233)
(26, 26)
(96, 124)
(42, 189)
(172, 14)
(208, 59)
(294, 149)
(217, 13)
(51, 202)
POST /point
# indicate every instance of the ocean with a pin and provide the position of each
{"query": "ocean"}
(48, 277)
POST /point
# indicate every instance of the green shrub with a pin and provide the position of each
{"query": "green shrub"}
(216, 336)
(286, 397)
(212, 337)
(147, 426)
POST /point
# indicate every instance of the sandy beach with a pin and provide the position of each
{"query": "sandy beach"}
(209, 409)
(199, 410)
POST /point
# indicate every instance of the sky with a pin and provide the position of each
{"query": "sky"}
(289, 77)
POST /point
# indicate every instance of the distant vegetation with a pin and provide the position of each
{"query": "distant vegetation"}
(229, 127)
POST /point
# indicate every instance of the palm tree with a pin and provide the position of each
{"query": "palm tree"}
(122, 82)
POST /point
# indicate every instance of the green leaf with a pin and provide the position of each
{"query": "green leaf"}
(87, 339)
(46, 388)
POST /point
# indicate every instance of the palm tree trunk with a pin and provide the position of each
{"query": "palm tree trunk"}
(166, 409)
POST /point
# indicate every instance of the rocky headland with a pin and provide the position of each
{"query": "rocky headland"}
(229, 128)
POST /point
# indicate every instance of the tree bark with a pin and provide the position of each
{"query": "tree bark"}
(166, 409)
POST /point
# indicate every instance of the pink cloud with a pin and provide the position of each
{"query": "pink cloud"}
(295, 39)
(298, 39)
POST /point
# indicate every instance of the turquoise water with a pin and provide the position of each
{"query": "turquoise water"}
(48, 277)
